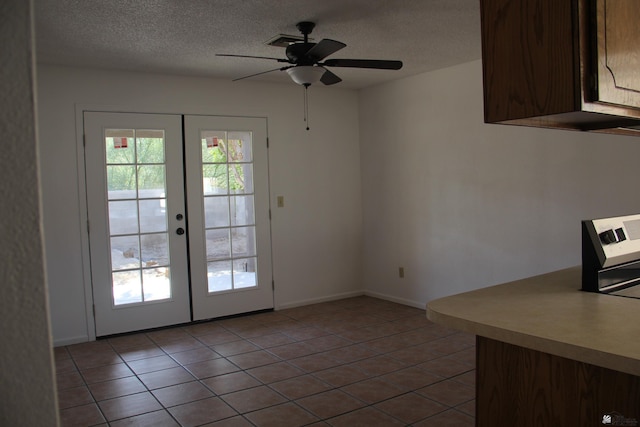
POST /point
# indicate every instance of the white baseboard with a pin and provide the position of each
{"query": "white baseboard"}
(318, 300)
(410, 303)
(292, 304)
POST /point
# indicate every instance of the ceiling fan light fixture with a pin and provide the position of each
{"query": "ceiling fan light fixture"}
(306, 75)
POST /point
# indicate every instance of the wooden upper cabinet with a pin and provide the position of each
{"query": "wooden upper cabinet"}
(572, 64)
(618, 52)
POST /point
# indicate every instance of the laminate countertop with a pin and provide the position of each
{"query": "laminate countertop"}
(550, 313)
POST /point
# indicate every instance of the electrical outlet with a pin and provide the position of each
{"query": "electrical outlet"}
(401, 272)
(281, 201)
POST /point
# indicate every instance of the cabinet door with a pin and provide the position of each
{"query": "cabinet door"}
(618, 52)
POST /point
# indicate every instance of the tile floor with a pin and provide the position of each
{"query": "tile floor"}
(353, 362)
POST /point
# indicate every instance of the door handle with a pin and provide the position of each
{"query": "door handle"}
(180, 231)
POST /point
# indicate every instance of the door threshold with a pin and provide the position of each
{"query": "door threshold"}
(180, 325)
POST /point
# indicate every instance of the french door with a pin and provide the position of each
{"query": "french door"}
(178, 212)
(228, 201)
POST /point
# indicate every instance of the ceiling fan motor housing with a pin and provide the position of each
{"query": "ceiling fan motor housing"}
(297, 53)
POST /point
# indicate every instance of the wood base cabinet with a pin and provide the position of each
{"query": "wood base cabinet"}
(572, 64)
(522, 387)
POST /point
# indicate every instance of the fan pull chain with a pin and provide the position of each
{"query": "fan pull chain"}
(306, 105)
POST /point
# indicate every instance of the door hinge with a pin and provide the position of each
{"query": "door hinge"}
(84, 140)
(267, 142)
(94, 310)
(273, 285)
(269, 214)
(88, 227)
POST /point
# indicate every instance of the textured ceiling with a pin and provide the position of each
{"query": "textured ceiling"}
(183, 36)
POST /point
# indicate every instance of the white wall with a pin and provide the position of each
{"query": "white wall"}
(461, 204)
(27, 383)
(458, 203)
(316, 236)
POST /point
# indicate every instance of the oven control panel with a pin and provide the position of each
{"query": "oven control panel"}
(616, 240)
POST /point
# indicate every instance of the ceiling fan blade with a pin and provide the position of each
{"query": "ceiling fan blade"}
(250, 56)
(364, 63)
(328, 78)
(262, 72)
(324, 48)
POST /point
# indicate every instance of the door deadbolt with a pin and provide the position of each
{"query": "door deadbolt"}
(179, 217)
(180, 231)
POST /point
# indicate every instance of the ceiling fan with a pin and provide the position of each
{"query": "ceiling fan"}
(308, 64)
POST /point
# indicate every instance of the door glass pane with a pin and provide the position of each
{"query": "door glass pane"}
(150, 146)
(127, 287)
(241, 178)
(155, 249)
(240, 149)
(214, 147)
(125, 253)
(219, 276)
(137, 215)
(121, 182)
(153, 215)
(216, 212)
(244, 273)
(151, 181)
(243, 241)
(119, 146)
(227, 168)
(156, 283)
(242, 210)
(218, 244)
(215, 179)
(123, 217)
